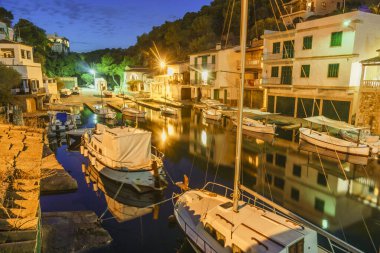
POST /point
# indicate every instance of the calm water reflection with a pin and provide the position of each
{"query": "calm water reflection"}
(336, 195)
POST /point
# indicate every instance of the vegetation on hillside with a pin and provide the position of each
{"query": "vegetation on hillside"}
(9, 78)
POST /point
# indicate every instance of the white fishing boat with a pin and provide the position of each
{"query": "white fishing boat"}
(257, 126)
(212, 114)
(61, 121)
(65, 92)
(75, 90)
(325, 140)
(365, 137)
(168, 110)
(106, 113)
(124, 154)
(133, 112)
(215, 223)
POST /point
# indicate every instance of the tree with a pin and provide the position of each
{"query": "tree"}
(9, 78)
(87, 78)
(110, 68)
(6, 16)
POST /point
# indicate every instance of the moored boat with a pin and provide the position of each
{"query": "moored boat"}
(133, 112)
(257, 126)
(212, 114)
(106, 113)
(124, 154)
(326, 141)
(168, 110)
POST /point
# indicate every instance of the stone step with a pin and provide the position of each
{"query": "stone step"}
(17, 236)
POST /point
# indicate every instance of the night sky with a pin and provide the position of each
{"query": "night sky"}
(96, 24)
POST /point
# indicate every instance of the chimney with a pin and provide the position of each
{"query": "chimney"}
(218, 46)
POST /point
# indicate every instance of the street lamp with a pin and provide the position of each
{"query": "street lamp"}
(204, 76)
(162, 64)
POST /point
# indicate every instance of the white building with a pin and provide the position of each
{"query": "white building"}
(20, 57)
(51, 88)
(59, 44)
(315, 68)
(296, 11)
(132, 75)
(214, 74)
(6, 33)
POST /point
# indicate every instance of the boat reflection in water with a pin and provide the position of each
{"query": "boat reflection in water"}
(123, 202)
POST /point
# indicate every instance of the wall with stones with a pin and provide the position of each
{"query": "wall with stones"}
(369, 110)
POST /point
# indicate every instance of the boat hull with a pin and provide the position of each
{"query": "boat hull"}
(215, 117)
(328, 142)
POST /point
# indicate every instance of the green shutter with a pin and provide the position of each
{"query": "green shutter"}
(336, 39)
(195, 61)
(333, 70)
(305, 70)
(274, 72)
(307, 42)
(213, 59)
(288, 49)
(276, 47)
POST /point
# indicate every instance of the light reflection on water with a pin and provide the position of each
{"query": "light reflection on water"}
(276, 168)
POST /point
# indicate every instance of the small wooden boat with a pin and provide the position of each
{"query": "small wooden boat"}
(212, 114)
(106, 113)
(133, 112)
(168, 110)
(256, 126)
(329, 142)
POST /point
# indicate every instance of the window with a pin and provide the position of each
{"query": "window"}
(297, 247)
(336, 39)
(274, 71)
(204, 61)
(305, 70)
(333, 70)
(28, 55)
(213, 59)
(7, 53)
(276, 47)
(319, 205)
(268, 178)
(281, 160)
(307, 42)
(295, 194)
(279, 182)
(286, 74)
(297, 170)
(195, 61)
(256, 75)
(269, 158)
(23, 54)
(321, 179)
(288, 49)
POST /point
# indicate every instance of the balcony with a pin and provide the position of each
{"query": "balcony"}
(253, 63)
(372, 84)
(277, 81)
(28, 91)
(278, 56)
(252, 83)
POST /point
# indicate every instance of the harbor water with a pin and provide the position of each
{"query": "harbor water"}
(339, 195)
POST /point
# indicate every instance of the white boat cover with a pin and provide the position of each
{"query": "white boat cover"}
(125, 146)
(322, 120)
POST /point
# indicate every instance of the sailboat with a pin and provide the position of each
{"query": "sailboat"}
(212, 114)
(212, 222)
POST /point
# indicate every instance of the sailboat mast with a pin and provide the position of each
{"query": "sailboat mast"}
(243, 41)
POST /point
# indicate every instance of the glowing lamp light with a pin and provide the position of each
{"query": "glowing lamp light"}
(204, 137)
(162, 64)
(170, 71)
(170, 129)
(204, 76)
(325, 224)
(346, 23)
(163, 136)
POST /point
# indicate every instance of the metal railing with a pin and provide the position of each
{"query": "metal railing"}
(195, 237)
(335, 244)
(371, 83)
(278, 56)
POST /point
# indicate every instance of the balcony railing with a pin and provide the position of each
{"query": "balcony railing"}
(250, 63)
(278, 56)
(276, 81)
(371, 84)
(252, 82)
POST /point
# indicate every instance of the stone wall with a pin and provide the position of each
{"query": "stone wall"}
(369, 110)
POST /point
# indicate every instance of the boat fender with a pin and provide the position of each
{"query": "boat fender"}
(83, 168)
(85, 152)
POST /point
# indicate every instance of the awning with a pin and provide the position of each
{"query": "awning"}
(322, 120)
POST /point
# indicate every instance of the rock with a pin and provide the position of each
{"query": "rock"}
(76, 231)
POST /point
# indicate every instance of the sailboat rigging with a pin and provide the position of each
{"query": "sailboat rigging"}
(214, 223)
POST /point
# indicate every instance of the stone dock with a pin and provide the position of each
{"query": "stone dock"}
(27, 169)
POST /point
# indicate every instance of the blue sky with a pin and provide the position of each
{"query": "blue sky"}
(96, 24)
